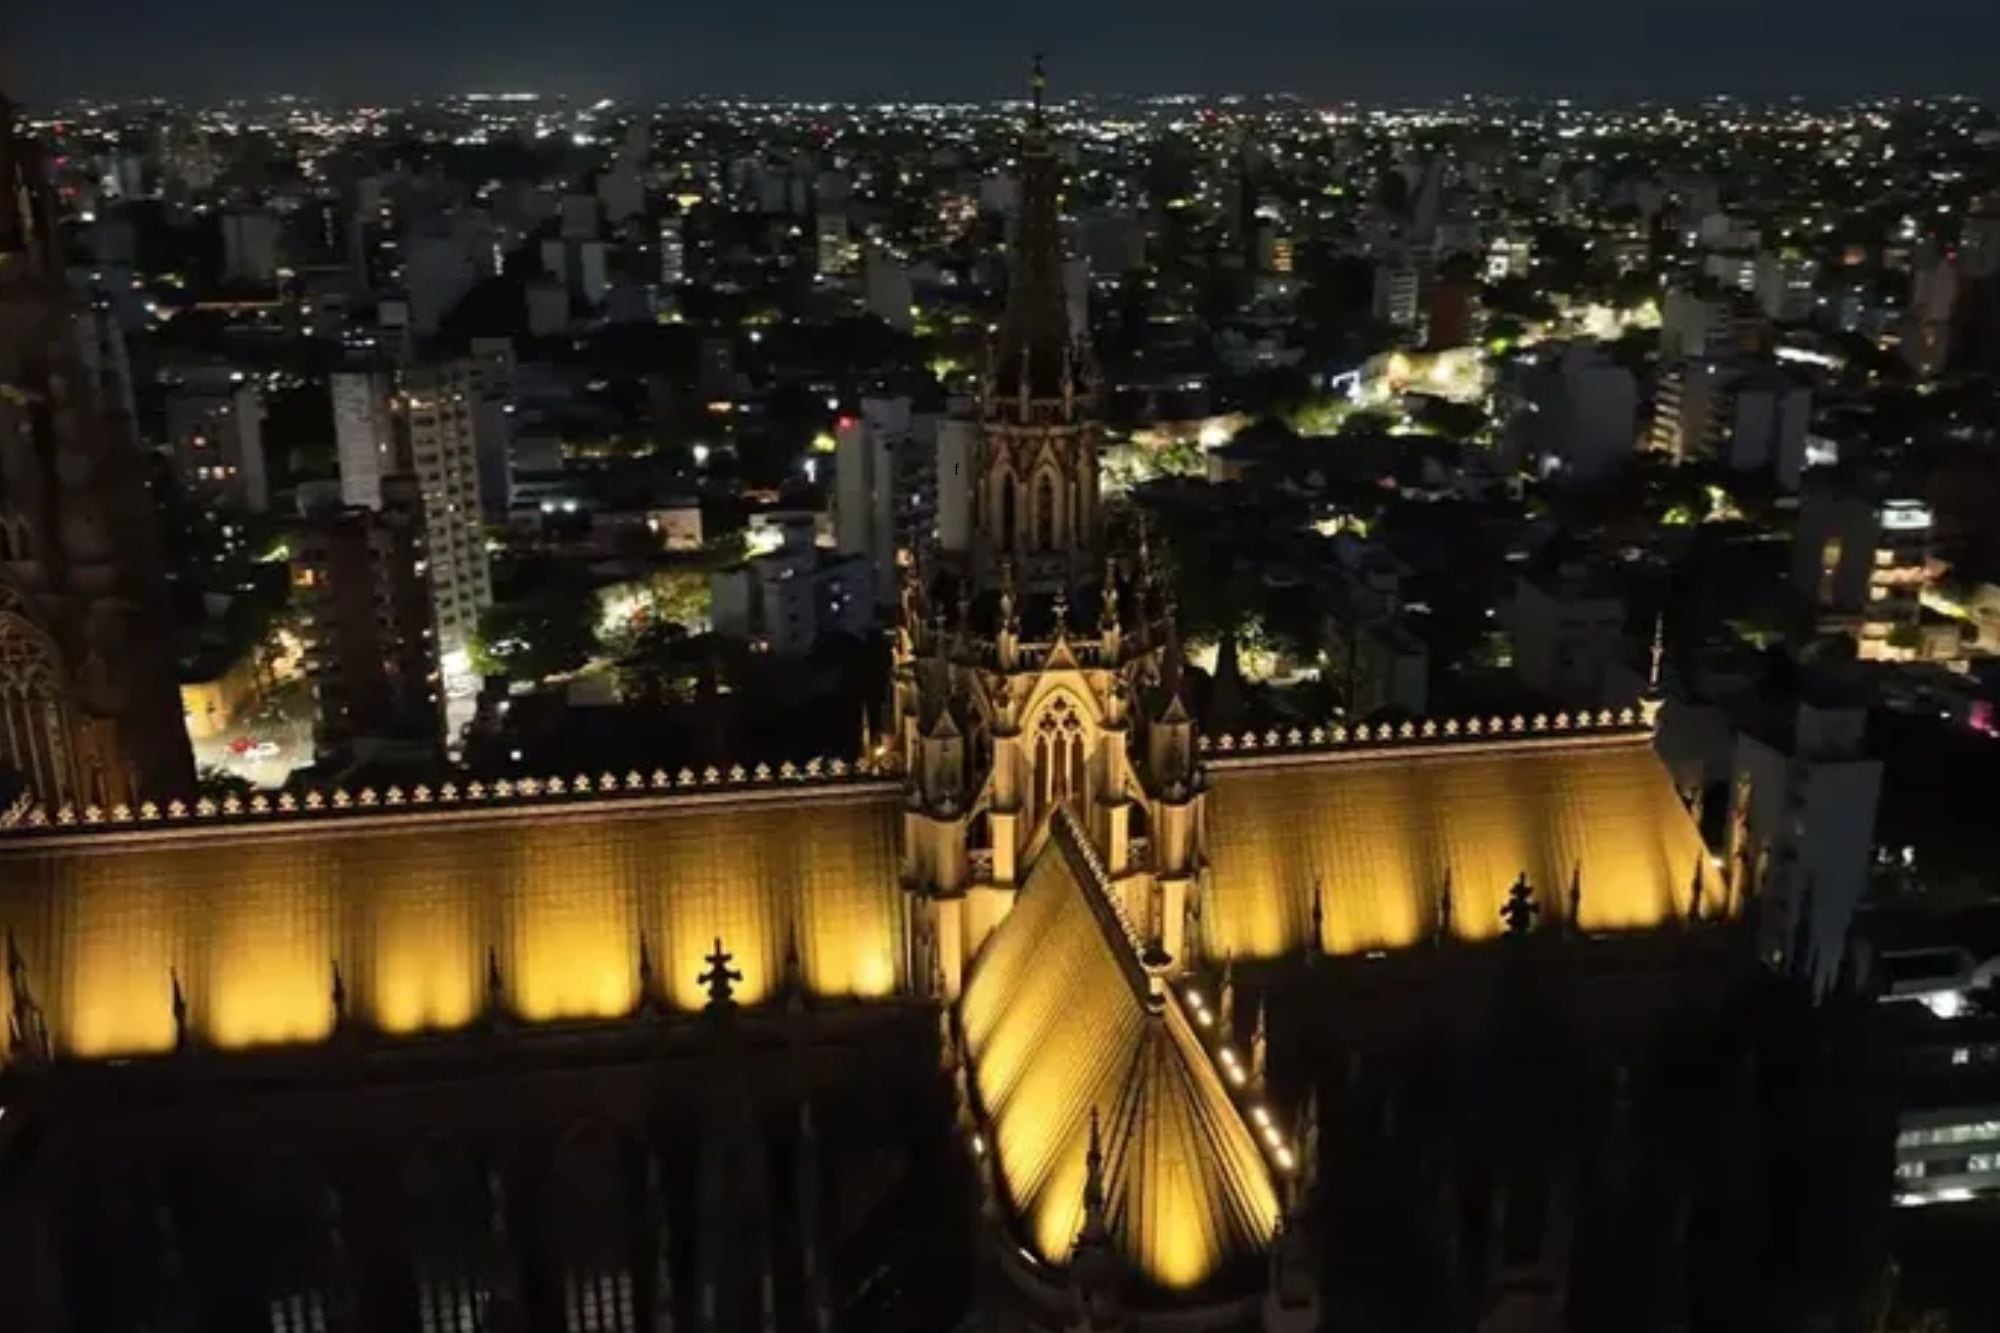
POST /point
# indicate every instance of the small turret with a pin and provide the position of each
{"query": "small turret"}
(1110, 632)
(1291, 1302)
(1093, 1264)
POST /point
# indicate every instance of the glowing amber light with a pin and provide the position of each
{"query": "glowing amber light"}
(253, 919)
(1384, 833)
(1057, 1023)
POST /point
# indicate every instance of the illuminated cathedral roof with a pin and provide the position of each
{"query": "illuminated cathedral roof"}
(1386, 831)
(1062, 1021)
(421, 909)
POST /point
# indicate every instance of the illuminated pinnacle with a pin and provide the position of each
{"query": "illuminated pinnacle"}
(1094, 1225)
(1651, 700)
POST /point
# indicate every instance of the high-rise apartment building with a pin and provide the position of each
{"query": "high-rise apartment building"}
(1399, 293)
(1571, 411)
(1802, 797)
(1979, 246)
(1862, 565)
(364, 434)
(833, 246)
(1708, 324)
(885, 488)
(885, 284)
(439, 419)
(1753, 418)
(250, 250)
(216, 432)
(673, 253)
(359, 580)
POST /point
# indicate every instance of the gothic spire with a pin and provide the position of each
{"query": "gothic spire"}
(26, 223)
(1651, 701)
(1031, 355)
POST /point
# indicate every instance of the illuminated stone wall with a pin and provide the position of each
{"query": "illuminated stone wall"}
(253, 918)
(1381, 831)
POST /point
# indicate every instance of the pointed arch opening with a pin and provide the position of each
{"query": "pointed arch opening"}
(33, 721)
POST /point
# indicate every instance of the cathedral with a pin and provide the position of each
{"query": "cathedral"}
(1049, 1011)
(90, 710)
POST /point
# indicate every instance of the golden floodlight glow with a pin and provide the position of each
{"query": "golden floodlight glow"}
(1057, 1025)
(1382, 834)
(253, 920)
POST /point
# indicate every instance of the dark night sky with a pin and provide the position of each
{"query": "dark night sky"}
(867, 48)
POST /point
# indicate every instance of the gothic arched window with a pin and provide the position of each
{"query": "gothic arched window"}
(1045, 513)
(33, 731)
(1006, 513)
(1061, 755)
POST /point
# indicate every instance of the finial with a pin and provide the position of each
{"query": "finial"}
(1520, 910)
(183, 1038)
(1308, 1146)
(1446, 908)
(1576, 896)
(496, 987)
(1226, 1005)
(720, 979)
(1062, 610)
(794, 978)
(1107, 611)
(338, 996)
(1007, 592)
(646, 971)
(1260, 1046)
(1094, 1228)
(1318, 940)
(1651, 701)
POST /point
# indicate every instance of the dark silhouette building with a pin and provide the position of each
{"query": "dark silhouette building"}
(89, 693)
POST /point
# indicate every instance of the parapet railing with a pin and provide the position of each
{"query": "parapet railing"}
(1434, 731)
(449, 795)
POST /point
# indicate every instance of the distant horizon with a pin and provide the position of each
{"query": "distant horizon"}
(902, 50)
(584, 98)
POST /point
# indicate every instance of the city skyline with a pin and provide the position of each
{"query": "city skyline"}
(208, 48)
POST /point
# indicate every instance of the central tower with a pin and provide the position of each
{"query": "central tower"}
(1034, 504)
(1033, 673)
(90, 709)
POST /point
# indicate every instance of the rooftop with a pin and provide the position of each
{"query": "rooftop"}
(1062, 1022)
